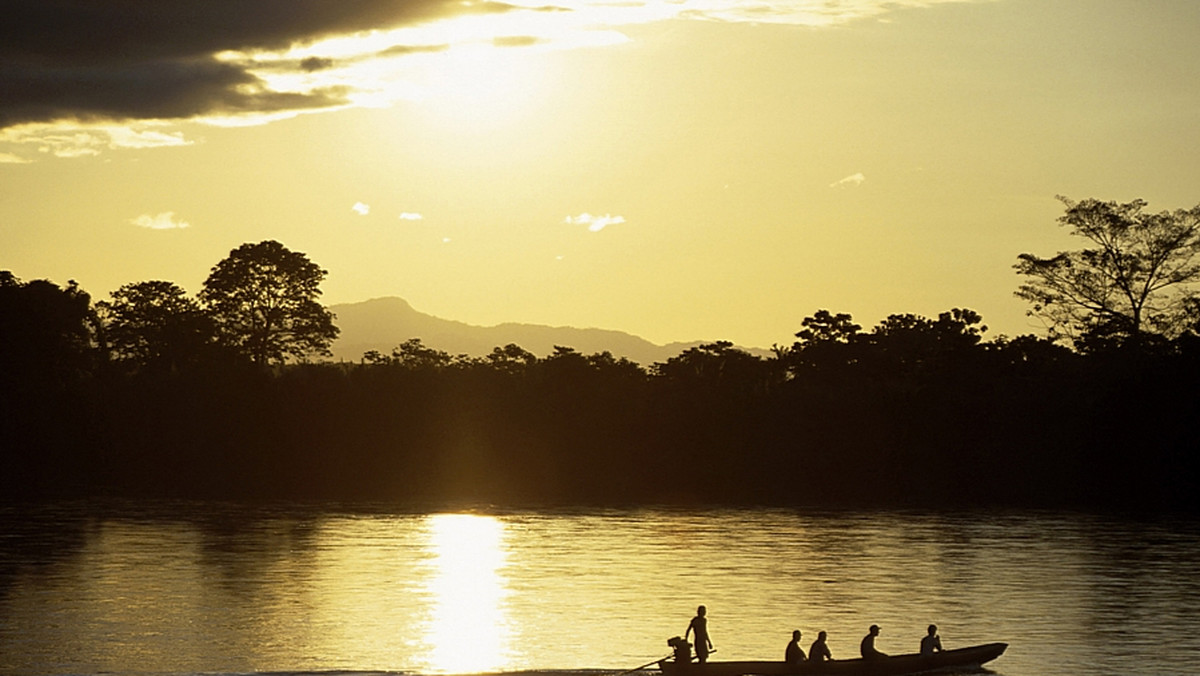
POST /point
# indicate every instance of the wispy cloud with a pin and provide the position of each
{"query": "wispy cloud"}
(851, 181)
(517, 40)
(9, 158)
(410, 216)
(814, 13)
(83, 140)
(131, 137)
(594, 223)
(361, 209)
(164, 221)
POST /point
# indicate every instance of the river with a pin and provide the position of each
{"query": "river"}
(183, 588)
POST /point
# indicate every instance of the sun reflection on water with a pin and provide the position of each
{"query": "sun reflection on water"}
(468, 629)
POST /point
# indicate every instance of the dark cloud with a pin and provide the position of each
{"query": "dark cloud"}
(140, 59)
(146, 90)
(314, 63)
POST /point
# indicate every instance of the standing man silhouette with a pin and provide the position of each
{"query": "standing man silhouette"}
(699, 625)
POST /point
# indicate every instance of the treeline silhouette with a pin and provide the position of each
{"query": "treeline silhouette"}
(914, 412)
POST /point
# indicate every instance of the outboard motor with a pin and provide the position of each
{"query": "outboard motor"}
(682, 649)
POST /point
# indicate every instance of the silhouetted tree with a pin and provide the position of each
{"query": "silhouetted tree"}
(376, 358)
(511, 359)
(909, 344)
(155, 325)
(46, 358)
(916, 411)
(824, 327)
(1188, 340)
(719, 366)
(1133, 278)
(596, 372)
(912, 346)
(45, 330)
(414, 355)
(263, 298)
(620, 367)
(955, 329)
(565, 360)
(827, 342)
(1030, 350)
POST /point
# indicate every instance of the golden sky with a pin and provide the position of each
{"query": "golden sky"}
(677, 169)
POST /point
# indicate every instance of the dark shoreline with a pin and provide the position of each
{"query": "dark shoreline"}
(1078, 434)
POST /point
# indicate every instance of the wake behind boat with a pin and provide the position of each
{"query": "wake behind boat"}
(964, 659)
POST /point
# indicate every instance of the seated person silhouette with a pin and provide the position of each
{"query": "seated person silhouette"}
(819, 651)
(794, 654)
(681, 648)
(867, 647)
(931, 643)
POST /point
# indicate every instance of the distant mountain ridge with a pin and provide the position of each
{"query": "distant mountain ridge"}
(383, 323)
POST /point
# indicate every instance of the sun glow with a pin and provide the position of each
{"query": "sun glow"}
(468, 631)
(476, 74)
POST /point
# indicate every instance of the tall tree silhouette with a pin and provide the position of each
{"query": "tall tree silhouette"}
(1132, 280)
(263, 298)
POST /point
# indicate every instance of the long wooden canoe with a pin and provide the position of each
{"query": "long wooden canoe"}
(893, 665)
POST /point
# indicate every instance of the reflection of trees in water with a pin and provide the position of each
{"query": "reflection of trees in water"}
(235, 542)
(243, 544)
(36, 538)
(1142, 574)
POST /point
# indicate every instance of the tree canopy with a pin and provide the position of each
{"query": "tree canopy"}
(914, 411)
(263, 298)
(155, 325)
(45, 330)
(1135, 277)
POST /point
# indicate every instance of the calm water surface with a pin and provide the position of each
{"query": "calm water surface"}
(218, 588)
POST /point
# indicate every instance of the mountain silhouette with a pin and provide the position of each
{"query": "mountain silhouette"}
(383, 323)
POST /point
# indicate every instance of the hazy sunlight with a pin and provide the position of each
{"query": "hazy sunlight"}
(477, 84)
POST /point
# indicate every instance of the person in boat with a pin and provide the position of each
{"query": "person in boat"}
(681, 649)
(819, 651)
(794, 653)
(699, 626)
(931, 643)
(867, 647)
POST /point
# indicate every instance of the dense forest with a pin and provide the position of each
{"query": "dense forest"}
(154, 393)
